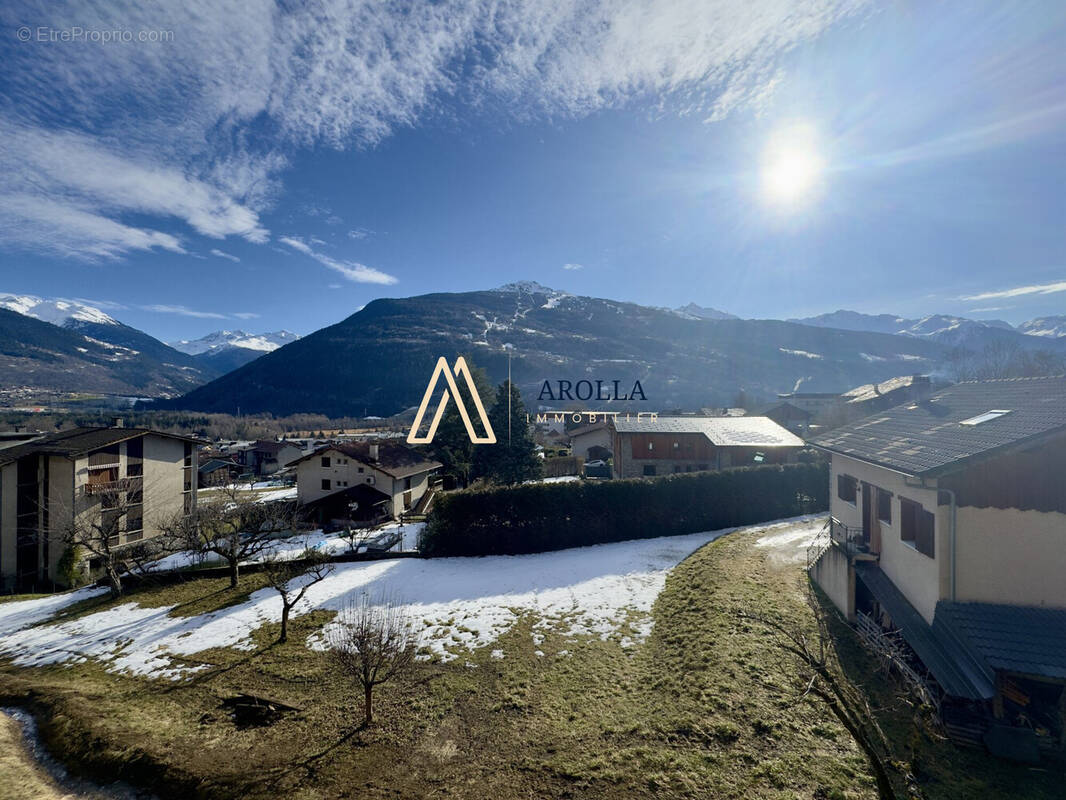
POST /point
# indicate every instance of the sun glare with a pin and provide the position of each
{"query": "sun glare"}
(791, 166)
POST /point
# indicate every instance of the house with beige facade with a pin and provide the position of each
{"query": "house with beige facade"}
(49, 480)
(647, 446)
(353, 477)
(946, 549)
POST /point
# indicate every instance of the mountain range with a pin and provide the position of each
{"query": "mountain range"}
(378, 360)
(224, 351)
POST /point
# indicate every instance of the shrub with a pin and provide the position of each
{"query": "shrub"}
(533, 518)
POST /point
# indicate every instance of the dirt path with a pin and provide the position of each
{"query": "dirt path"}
(21, 777)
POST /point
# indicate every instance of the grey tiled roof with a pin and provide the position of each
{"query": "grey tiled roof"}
(393, 459)
(926, 436)
(954, 668)
(722, 431)
(1022, 639)
(76, 441)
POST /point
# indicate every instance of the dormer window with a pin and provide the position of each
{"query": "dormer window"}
(995, 413)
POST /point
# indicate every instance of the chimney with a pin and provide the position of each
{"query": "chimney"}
(373, 452)
(117, 422)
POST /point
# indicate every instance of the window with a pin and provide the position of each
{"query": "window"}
(916, 526)
(701, 467)
(651, 446)
(884, 506)
(676, 445)
(406, 484)
(649, 469)
(325, 461)
(360, 469)
(677, 467)
(847, 488)
(325, 484)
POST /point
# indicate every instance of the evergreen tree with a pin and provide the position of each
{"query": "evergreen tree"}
(451, 445)
(506, 461)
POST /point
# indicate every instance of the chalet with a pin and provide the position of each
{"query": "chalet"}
(790, 417)
(266, 456)
(47, 481)
(947, 550)
(665, 445)
(399, 473)
(219, 472)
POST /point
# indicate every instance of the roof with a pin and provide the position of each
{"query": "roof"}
(722, 431)
(393, 459)
(592, 427)
(1023, 639)
(77, 441)
(927, 437)
(876, 391)
(794, 412)
(950, 663)
(215, 464)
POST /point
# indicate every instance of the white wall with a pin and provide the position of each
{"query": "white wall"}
(345, 470)
(923, 580)
(836, 577)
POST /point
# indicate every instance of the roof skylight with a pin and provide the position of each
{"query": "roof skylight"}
(995, 413)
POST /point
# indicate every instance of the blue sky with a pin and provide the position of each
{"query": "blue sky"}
(265, 168)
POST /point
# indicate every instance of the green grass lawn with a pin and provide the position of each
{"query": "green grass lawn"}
(707, 707)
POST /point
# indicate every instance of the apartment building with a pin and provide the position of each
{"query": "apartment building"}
(48, 481)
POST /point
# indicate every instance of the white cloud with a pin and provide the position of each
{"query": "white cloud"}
(1019, 291)
(195, 130)
(246, 315)
(220, 254)
(64, 227)
(352, 270)
(573, 267)
(334, 286)
(183, 311)
(359, 233)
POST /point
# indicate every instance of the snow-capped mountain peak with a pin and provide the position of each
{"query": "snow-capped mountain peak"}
(1051, 327)
(57, 312)
(213, 342)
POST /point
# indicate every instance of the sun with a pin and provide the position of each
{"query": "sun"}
(792, 166)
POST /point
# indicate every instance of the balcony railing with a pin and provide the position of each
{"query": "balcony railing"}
(111, 487)
(851, 539)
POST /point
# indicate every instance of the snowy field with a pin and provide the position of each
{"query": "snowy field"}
(458, 604)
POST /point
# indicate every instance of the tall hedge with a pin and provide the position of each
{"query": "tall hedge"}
(533, 518)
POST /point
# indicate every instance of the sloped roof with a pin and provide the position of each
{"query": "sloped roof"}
(393, 459)
(953, 667)
(876, 391)
(927, 437)
(76, 441)
(722, 431)
(1021, 639)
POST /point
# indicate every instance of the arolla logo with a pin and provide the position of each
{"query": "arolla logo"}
(452, 391)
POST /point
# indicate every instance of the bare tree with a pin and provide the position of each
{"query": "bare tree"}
(818, 673)
(372, 643)
(232, 526)
(283, 576)
(96, 523)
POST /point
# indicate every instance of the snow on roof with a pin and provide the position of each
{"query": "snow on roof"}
(722, 431)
